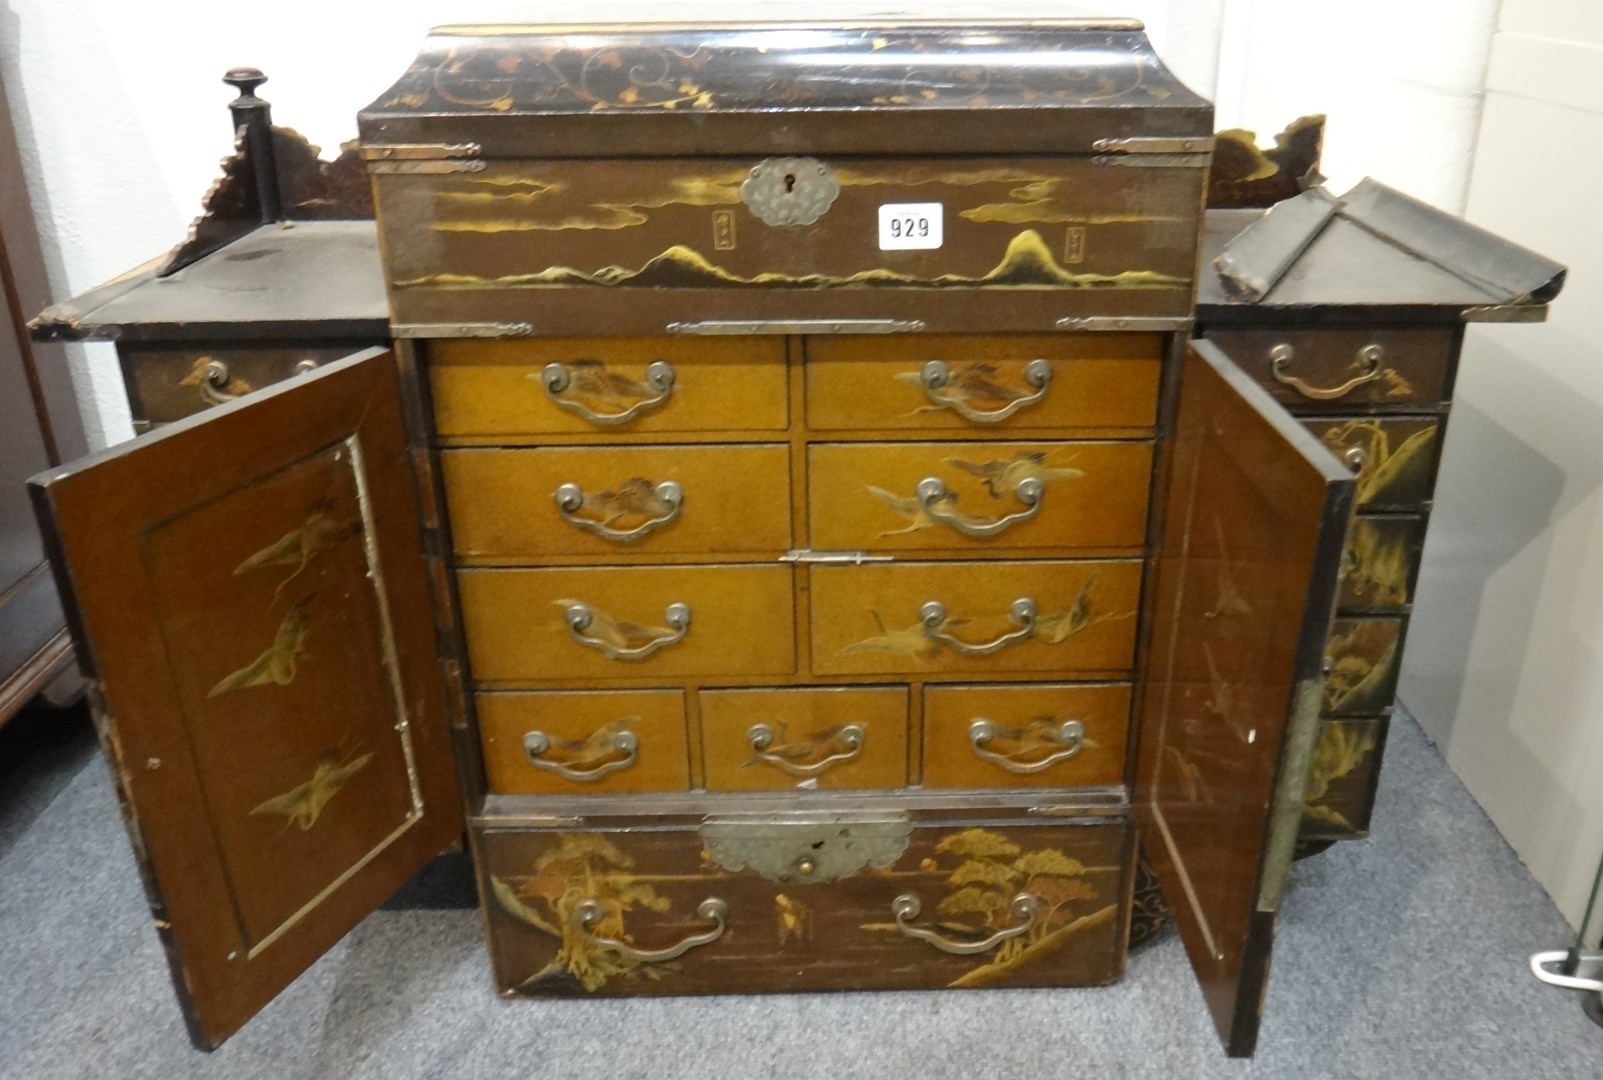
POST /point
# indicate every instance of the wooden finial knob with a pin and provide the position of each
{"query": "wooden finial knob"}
(245, 80)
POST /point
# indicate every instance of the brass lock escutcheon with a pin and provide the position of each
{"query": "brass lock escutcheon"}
(790, 190)
(805, 848)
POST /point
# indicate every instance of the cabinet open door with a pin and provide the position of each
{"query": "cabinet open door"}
(1255, 518)
(253, 611)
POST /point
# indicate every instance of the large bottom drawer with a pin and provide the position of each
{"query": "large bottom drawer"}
(655, 911)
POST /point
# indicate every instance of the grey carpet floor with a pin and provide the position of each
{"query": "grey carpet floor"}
(1403, 956)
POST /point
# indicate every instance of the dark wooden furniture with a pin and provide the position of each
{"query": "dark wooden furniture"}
(1351, 311)
(793, 508)
(39, 428)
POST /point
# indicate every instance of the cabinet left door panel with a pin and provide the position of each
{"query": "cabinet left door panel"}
(252, 609)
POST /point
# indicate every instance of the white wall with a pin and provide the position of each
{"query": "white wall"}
(1504, 664)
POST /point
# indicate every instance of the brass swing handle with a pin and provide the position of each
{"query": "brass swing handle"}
(570, 500)
(589, 913)
(1369, 359)
(933, 497)
(761, 736)
(1070, 735)
(627, 743)
(933, 616)
(1026, 909)
(582, 617)
(215, 377)
(556, 378)
(936, 376)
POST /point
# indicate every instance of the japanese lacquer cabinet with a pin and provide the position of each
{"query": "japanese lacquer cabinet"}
(792, 536)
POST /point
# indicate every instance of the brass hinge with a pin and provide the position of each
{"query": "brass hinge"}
(455, 693)
(1155, 144)
(798, 326)
(462, 330)
(833, 558)
(1124, 322)
(423, 158)
(1507, 313)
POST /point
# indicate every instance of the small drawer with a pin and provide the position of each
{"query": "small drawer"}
(167, 384)
(620, 500)
(983, 383)
(793, 905)
(825, 737)
(1321, 370)
(584, 743)
(960, 618)
(1381, 562)
(1044, 735)
(1342, 779)
(634, 622)
(1363, 656)
(1393, 459)
(589, 386)
(977, 496)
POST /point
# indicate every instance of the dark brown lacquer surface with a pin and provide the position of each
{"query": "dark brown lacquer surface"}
(793, 935)
(1254, 519)
(252, 606)
(597, 91)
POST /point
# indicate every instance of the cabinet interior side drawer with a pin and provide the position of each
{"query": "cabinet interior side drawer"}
(582, 743)
(975, 497)
(983, 383)
(580, 913)
(603, 623)
(1392, 458)
(1363, 655)
(618, 500)
(812, 737)
(607, 386)
(1041, 735)
(1381, 562)
(1342, 779)
(167, 384)
(940, 618)
(1333, 369)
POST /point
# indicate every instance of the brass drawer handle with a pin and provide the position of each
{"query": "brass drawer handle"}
(666, 500)
(933, 617)
(939, 387)
(1369, 359)
(591, 379)
(619, 640)
(1068, 736)
(591, 912)
(589, 759)
(941, 506)
(811, 757)
(1026, 908)
(216, 384)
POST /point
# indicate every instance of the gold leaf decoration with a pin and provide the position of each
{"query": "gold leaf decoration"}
(304, 803)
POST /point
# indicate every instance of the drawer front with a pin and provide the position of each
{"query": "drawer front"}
(1381, 562)
(1342, 779)
(1322, 370)
(584, 743)
(977, 496)
(635, 622)
(622, 500)
(1364, 656)
(1394, 458)
(607, 386)
(771, 740)
(167, 384)
(983, 383)
(871, 619)
(660, 890)
(1046, 735)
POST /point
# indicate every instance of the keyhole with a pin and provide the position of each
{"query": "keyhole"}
(790, 183)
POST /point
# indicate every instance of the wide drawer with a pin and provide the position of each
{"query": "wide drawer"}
(567, 386)
(1042, 735)
(584, 743)
(627, 622)
(977, 496)
(1363, 655)
(814, 737)
(1392, 458)
(167, 384)
(956, 618)
(1336, 369)
(1381, 562)
(600, 501)
(983, 383)
(654, 911)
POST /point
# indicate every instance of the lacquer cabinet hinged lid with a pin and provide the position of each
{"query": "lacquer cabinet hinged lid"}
(881, 176)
